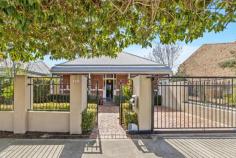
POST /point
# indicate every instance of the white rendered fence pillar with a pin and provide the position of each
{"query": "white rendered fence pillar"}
(21, 101)
(142, 87)
(78, 102)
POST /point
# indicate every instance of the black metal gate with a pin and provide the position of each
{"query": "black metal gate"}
(93, 95)
(188, 103)
(121, 100)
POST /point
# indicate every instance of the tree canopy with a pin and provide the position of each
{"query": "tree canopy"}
(30, 29)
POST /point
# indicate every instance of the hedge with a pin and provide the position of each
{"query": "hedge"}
(159, 100)
(128, 116)
(89, 118)
(92, 99)
(57, 98)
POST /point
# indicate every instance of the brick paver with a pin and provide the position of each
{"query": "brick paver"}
(165, 117)
(108, 123)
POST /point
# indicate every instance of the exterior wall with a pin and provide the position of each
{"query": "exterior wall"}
(173, 96)
(206, 60)
(48, 121)
(37, 121)
(120, 78)
(21, 120)
(6, 120)
(100, 79)
(65, 85)
(97, 78)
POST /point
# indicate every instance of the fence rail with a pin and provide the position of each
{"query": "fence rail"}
(6, 94)
(49, 93)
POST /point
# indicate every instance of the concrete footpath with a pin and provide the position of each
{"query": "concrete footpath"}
(167, 146)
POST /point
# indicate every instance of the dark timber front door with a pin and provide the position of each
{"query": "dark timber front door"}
(109, 89)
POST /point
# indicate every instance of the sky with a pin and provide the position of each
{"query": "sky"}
(228, 35)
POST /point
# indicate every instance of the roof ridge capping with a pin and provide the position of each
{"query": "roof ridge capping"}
(232, 42)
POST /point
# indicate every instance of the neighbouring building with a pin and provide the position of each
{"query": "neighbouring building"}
(110, 72)
(37, 68)
(207, 60)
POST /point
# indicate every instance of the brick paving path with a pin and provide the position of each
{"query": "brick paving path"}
(165, 117)
(108, 123)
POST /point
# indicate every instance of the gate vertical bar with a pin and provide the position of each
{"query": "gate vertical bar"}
(97, 98)
(120, 101)
(153, 106)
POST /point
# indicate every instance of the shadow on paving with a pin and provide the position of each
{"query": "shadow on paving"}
(188, 145)
(40, 148)
(166, 146)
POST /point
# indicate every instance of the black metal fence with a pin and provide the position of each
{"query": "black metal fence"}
(92, 92)
(6, 94)
(49, 93)
(194, 102)
(93, 97)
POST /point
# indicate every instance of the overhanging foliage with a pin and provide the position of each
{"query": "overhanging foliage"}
(30, 29)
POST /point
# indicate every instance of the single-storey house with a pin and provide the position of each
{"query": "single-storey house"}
(36, 68)
(110, 72)
(208, 59)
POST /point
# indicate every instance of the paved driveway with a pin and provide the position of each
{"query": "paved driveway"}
(167, 146)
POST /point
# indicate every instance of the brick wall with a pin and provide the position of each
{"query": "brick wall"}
(97, 79)
(206, 60)
(121, 78)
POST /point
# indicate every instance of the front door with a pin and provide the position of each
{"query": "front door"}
(109, 89)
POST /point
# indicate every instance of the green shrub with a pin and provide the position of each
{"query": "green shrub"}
(117, 99)
(130, 117)
(49, 106)
(58, 98)
(41, 90)
(92, 106)
(92, 99)
(6, 91)
(159, 100)
(89, 118)
(126, 106)
(127, 91)
(231, 99)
